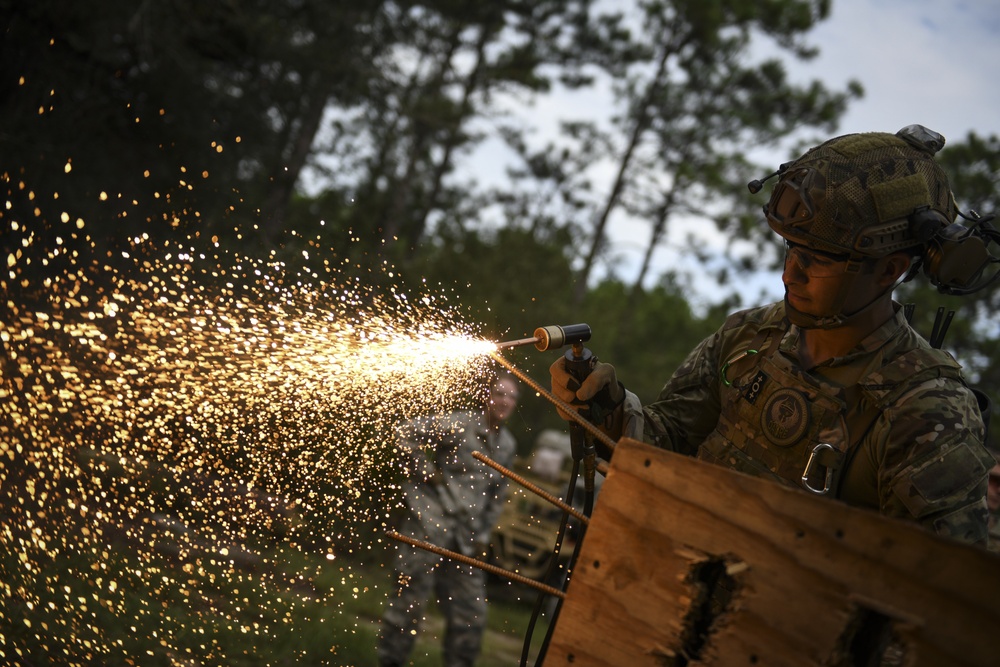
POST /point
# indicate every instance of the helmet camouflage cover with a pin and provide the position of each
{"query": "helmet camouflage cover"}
(854, 194)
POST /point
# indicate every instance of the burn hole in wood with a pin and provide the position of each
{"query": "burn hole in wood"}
(868, 639)
(712, 591)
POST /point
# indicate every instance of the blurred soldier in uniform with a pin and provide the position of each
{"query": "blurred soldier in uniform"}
(831, 390)
(993, 500)
(453, 502)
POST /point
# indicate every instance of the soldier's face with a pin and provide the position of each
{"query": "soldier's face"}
(811, 294)
(993, 493)
(503, 400)
(818, 292)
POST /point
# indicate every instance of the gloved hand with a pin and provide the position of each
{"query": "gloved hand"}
(601, 388)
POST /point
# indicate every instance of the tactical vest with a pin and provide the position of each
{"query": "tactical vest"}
(799, 429)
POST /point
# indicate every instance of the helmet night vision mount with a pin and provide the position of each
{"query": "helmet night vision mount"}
(871, 194)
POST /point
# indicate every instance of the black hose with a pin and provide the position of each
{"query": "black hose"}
(553, 565)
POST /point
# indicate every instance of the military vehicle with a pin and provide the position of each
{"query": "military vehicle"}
(524, 539)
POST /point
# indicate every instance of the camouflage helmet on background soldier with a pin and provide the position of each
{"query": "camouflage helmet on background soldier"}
(864, 195)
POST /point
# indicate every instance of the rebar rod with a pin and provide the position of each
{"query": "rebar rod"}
(555, 400)
(475, 562)
(507, 472)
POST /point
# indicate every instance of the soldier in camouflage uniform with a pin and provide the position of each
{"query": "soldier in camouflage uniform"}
(454, 502)
(993, 501)
(831, 390)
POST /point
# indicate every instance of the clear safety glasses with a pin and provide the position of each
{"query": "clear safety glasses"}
(815, 263)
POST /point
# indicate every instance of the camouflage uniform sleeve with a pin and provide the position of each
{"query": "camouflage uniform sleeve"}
(414, 445)
(931, 461)
(420, 442)
(496, 489)
(687, 409)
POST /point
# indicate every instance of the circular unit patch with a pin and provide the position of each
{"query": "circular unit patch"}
(785, 417)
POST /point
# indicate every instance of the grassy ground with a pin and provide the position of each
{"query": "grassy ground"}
(509, 618)
(503, 644)
(291, 607)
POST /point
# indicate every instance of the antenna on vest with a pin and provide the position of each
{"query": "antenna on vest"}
(941, 324)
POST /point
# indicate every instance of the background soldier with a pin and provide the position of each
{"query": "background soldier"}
(993, 500)
(454, 502)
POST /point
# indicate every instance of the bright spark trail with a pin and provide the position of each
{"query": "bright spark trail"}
(156, 433)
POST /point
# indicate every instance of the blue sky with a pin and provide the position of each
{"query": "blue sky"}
(933, 62)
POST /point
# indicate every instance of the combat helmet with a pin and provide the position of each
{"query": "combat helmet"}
(864, 195)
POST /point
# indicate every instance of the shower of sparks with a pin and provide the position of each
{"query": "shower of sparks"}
(159, 426)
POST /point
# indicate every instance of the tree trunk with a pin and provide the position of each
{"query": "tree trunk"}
(401, 194)
(471, 85)
(641, 123)
(274, 209)
(659, 228)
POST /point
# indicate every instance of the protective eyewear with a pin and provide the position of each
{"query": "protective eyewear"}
(815, 263)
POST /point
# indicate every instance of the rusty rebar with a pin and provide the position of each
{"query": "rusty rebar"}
(556, 401)
(537, 490)
(475, 562)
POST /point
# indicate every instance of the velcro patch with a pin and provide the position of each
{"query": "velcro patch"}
(950, 475)
(785, 417)
(898, 198)
(753, 388)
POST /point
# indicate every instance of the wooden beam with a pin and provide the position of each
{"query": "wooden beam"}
(810, 581)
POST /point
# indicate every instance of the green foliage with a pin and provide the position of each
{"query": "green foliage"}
(189, 121)
(177, 120)
(645, 334)
(203, 607)
(289, 606)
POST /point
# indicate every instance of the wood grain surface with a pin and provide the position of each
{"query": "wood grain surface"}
(811, 581)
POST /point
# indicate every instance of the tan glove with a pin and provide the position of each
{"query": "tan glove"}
(600, 390)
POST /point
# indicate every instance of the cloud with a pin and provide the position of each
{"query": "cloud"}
(922, 61)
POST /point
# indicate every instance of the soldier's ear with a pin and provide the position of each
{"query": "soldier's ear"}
(896, 265)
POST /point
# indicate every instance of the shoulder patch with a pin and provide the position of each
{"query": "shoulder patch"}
(948, 475)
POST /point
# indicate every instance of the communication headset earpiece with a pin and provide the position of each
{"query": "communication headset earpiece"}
(955, 256)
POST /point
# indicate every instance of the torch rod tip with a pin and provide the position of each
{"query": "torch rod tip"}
(517, 343)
